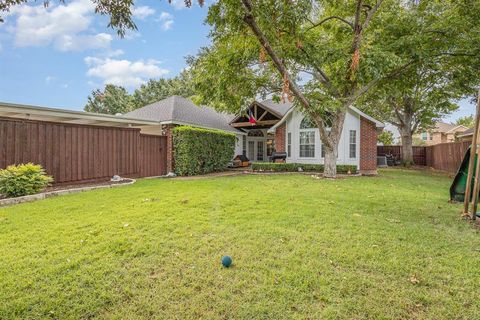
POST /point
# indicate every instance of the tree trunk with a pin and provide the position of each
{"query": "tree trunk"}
(407, 147)
(330, 163)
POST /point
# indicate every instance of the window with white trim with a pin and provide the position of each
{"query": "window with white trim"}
(307, 138)
(289, 144)
(353, 144)
(244, 145)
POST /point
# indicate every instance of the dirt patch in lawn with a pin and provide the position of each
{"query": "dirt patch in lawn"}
(85, 185)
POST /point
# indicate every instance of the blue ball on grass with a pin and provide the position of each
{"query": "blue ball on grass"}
(227, 261)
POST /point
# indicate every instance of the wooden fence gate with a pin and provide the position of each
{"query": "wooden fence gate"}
(153, 155)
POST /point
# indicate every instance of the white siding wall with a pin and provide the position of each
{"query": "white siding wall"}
(352, 122)
(238, 144)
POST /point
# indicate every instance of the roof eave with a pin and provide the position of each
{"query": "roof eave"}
(26, 111)
(183, 123)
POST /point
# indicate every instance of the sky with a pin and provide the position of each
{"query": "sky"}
(56, 56)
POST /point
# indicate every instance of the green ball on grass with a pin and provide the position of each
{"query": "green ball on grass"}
(227, 261)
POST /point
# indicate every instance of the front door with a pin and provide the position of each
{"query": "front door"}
(256, 149)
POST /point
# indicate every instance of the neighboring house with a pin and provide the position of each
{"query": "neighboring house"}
(276, 126)
(466, 135)
(265, 127)
(442, 133)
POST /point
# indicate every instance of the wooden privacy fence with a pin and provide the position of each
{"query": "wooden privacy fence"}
(445, 156)
(419, 153)
(77, 153)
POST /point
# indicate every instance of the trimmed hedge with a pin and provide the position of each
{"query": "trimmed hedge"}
(293, 167)
(199, 151)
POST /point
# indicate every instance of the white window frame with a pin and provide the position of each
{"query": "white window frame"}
(304, 131)
(352, 144)
(244, 145)
(289, 144)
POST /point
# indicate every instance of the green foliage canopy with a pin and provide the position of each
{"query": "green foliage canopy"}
(158, 89)
(112, 100)
(386, 138)
(467, 121)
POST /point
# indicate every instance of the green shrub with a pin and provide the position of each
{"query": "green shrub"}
(199, 151)
(293, 167)
(23, 179)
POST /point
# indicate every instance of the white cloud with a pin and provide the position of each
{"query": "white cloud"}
(66, 27)
(49, 79)
(166, 20)
(124, 72)
(142, 12)
(79, 43)
(178, 4)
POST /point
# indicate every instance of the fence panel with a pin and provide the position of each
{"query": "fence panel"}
(445, 156)
(419, 153)
(76, 153)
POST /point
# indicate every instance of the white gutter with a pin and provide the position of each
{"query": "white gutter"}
(378, 124)
(27, 110)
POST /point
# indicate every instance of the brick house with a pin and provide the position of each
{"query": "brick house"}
(441, 133)
(275, 127)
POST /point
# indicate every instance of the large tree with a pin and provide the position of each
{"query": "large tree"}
(413, 103)
(112, 100)
(323, 55)
(466, 121)
(446, 71)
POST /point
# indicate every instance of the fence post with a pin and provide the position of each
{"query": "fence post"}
(473, 157)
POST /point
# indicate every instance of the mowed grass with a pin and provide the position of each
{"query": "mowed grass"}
(387, 247)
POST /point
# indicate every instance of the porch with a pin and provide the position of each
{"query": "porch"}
(258, 144)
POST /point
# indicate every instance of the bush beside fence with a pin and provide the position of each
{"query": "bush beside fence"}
(293, 167)
(199, 151)
(23, 180)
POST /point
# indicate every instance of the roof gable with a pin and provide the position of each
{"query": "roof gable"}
(179, 110)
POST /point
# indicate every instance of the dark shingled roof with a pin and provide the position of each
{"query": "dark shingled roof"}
(180, 110)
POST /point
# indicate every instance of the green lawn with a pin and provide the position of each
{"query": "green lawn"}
(302, 248)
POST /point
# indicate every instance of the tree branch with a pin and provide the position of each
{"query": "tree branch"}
(358, 93)
(320, 75)
(250, 21)
(330, 18)
(370, 14)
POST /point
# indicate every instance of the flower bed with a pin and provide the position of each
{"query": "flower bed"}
(294, 167)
